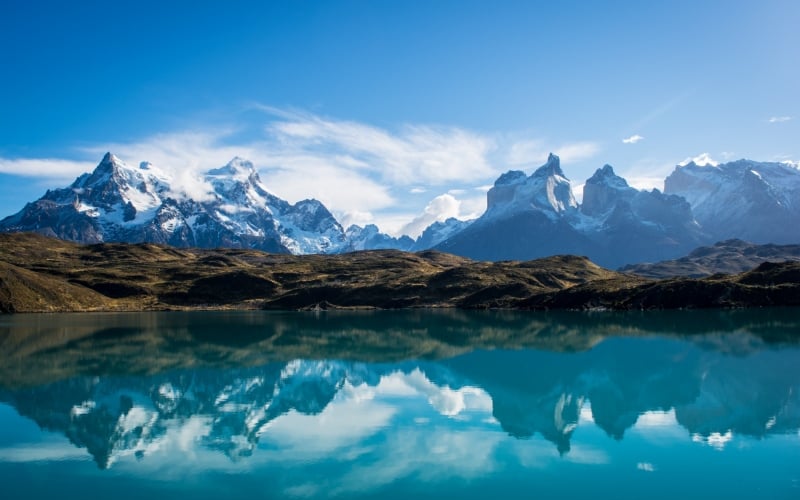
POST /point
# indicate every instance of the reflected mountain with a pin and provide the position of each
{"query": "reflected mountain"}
(37, 349)
(743, 382)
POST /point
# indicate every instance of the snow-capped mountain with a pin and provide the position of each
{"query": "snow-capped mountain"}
(228, 207)
(744, 199)
(547, 190)
(370, 237)
(537, 215)
(438, 232)
(527, 216)
(630, 224)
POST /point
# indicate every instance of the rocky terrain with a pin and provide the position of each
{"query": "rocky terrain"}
(39, 274)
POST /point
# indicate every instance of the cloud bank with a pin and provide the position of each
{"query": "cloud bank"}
(362, 173)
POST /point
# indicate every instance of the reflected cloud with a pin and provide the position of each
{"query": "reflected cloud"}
(329, 427)
(42, 452)
(646, 467)
(716, 440)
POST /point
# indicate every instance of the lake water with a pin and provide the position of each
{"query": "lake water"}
(401, 404)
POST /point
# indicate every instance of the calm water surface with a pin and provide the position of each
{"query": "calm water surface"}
(393, 405)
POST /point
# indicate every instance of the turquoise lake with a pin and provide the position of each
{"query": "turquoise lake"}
(423, 404)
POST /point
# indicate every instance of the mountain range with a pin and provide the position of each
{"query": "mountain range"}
(527, 216)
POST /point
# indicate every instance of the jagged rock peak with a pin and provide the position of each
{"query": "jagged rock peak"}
(550, 168)
(607, 176)
(109, 163)
(109, 157)
(510, 177)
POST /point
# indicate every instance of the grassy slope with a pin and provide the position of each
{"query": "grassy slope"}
(39, 274)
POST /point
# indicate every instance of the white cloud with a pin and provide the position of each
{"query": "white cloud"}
(340, 189)
(632, 139)
(645, 182)
(439, 209)
(356, 217)
(192, 186)
(46, 167)
(182, 150)
(780, 119)
(577, 191)
(647, 173)
(414, 154)
(362, 173)
(535, 151)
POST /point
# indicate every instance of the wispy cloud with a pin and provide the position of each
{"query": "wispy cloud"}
(632, 139)
(661, 110)
(779, 119)
(45, 167)
(535, 151)
(647, 173)
(414, 154)
(361, 172)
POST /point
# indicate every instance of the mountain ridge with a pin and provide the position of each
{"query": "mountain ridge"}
(527, 216)
(49, 275)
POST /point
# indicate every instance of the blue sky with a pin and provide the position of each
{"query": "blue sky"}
(393, 111)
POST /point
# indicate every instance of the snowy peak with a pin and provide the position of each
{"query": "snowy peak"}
(606, 176)
(440, 231)
(237, 178)
(546, 190)
(511, 177)
(115, 191)
(237, 168)
(227, 207)
(750, 200)
(537, 216)
(370, 237)
(551, 168)
(703, 160)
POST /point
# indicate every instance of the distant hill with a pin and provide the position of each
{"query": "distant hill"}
(728, 257)
(39, 274)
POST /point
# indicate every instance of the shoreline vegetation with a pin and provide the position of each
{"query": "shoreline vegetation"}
(41, 274)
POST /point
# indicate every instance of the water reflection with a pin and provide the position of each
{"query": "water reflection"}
(486, 406)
